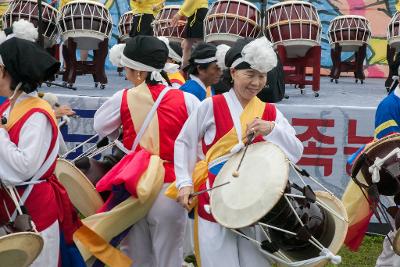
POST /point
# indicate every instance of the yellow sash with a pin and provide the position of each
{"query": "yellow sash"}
(208, 92)
(140, 102)
(92, 239)
(21, 108)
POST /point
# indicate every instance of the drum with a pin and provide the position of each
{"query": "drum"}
(379, 164)
(125, 25)
(20, 249)
(292, 219)
(294, 24)
(162, 22)
(80, 189)
(80, 175)
(28, 10)
(229, 20)
(393, 31)
(88, 22)
(350, 32)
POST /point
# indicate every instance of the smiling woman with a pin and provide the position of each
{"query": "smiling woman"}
(221, 124)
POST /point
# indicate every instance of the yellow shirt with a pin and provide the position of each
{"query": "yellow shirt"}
(189, 7)
(146, 6)
(176, 77)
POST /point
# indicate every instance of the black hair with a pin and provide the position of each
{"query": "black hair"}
(194, 70)
(154, 82)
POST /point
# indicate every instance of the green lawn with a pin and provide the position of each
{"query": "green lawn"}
(365, 257)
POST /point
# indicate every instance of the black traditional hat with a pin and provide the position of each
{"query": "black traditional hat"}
(174, 49)
(142, 53)
(27, 63)
(249, 53)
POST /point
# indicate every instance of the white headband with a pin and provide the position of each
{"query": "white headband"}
(205, 60)
(172, 54)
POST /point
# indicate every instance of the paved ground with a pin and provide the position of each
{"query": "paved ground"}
(345, 93)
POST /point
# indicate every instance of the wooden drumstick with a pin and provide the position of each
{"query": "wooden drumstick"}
(206, 190)
(249, 140)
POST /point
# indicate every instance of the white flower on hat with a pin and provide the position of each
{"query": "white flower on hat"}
(116, 54)
(24, 29)
(260, 55)
(220, 55)
(164, 39)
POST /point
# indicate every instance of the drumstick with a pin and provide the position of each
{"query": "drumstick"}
(206, 190)
(249, 140)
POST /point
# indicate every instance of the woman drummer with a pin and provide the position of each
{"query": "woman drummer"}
(215, 124)
(29, 146)
(156, 239)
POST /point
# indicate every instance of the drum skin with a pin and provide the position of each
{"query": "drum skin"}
(162, 24)
(280, 30)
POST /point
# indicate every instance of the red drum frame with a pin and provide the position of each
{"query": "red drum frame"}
(229, 20)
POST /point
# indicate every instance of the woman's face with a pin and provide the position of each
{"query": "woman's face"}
(5, 83)
(248, 83)
(134, 76)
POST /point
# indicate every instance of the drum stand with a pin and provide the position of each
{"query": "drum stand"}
(53, 51)
(120, 69)
(391, 55)
(297, 76)
(95, 67)
(355, 66)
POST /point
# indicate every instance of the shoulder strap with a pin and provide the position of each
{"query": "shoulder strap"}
(149, 117)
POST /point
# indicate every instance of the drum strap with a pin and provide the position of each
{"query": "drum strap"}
(194, 19)
(139, 23)
(45, 167)
(236, 123)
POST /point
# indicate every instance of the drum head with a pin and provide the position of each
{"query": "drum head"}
(80, 190)
(20, 249)
(262, 179)
(338, 226)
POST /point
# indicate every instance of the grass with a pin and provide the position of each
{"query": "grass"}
(365, 257)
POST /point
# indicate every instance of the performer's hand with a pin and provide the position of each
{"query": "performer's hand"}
(183, 197)
(175, 19)
(63, 110)
(260, 127)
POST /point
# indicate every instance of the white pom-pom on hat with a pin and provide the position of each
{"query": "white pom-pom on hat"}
(164, 39)
(260, 55)
(24, 29)
(220, 55)
(3, 37)
(116, 54)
